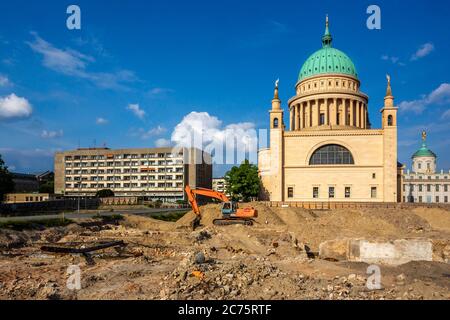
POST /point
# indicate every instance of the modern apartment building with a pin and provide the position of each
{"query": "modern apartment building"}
(220, 185)
(151, 173)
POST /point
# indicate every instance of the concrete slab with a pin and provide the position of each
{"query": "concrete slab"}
(377, 252)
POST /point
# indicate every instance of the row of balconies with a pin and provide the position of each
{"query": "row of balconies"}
(124, 164)
(123, 156)
(118, 186)
(120, 171)
(123, 178)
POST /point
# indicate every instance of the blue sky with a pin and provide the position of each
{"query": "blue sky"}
(137, 68)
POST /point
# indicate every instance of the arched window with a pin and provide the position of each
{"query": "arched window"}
(390, 120)
(331, 154)
(275, 123)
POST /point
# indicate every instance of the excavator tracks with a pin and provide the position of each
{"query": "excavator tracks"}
(227, 222)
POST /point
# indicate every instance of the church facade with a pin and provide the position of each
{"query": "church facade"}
(330, 152)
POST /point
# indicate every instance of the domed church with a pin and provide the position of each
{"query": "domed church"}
(330, 152)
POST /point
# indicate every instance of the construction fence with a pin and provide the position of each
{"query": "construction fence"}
(52, 206)
(356, 205)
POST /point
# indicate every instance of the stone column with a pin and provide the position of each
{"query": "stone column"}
(299, 116)
(365, 116)
(315, 113)
(291, 118)
(327, 112)
(309, 120)
(302, 115)
(350, 110)
(358, 113)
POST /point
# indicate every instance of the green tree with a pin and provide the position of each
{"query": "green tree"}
(104, 193)
(243, 181)
(47, 187)
(6, 181)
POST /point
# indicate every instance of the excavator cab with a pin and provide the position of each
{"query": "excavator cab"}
(228, 208)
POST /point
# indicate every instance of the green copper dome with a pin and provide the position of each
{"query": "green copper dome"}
(424, 152)
(327, 60)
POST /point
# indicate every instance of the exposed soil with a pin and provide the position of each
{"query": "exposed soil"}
(274, 259)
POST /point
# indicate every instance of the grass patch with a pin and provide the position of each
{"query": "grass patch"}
(114, 217)
(171, 217)
(34, 224)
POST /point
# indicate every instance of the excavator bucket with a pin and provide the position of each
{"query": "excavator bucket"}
(196, 222)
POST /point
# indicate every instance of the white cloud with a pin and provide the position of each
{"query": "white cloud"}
(440, 95)
(12, 107)
(152, 132)
(4, 81)
(423, 51)
(159, 91)
(136, 109)
(394, 60)
(203, 131)
(160, 143)
(74, 63)
(47, 134)
(446, 114)
(101, 121)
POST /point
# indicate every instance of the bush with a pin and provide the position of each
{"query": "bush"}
(158, 203)
(104, 193)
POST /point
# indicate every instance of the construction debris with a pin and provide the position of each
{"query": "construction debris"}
(297, 254)
(83, 248)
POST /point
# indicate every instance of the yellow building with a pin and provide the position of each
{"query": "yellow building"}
(330, 152)
(26, 197)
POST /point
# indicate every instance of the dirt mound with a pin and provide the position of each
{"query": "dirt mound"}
(342, 223)
(145, 223)
(438, 219)
(405, 220)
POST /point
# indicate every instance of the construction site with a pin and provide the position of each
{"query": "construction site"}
(287, 253)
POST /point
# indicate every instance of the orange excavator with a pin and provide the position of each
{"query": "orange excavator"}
(231, 214)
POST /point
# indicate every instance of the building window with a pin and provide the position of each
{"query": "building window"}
(373, 192)
(419, 165)
(420, 198)
(338, 116)
(347, 192)
(428, 165)
(331, 154)
(315, 192)
(437, 187)
(330, 192)
(374, 175)
(446, 187)
(445, 199)
(322, 119)
(428, 187)
(420, 187)
(412, 187)
(275, 123)
(290, 192)
(390, 120)
(437, 199)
